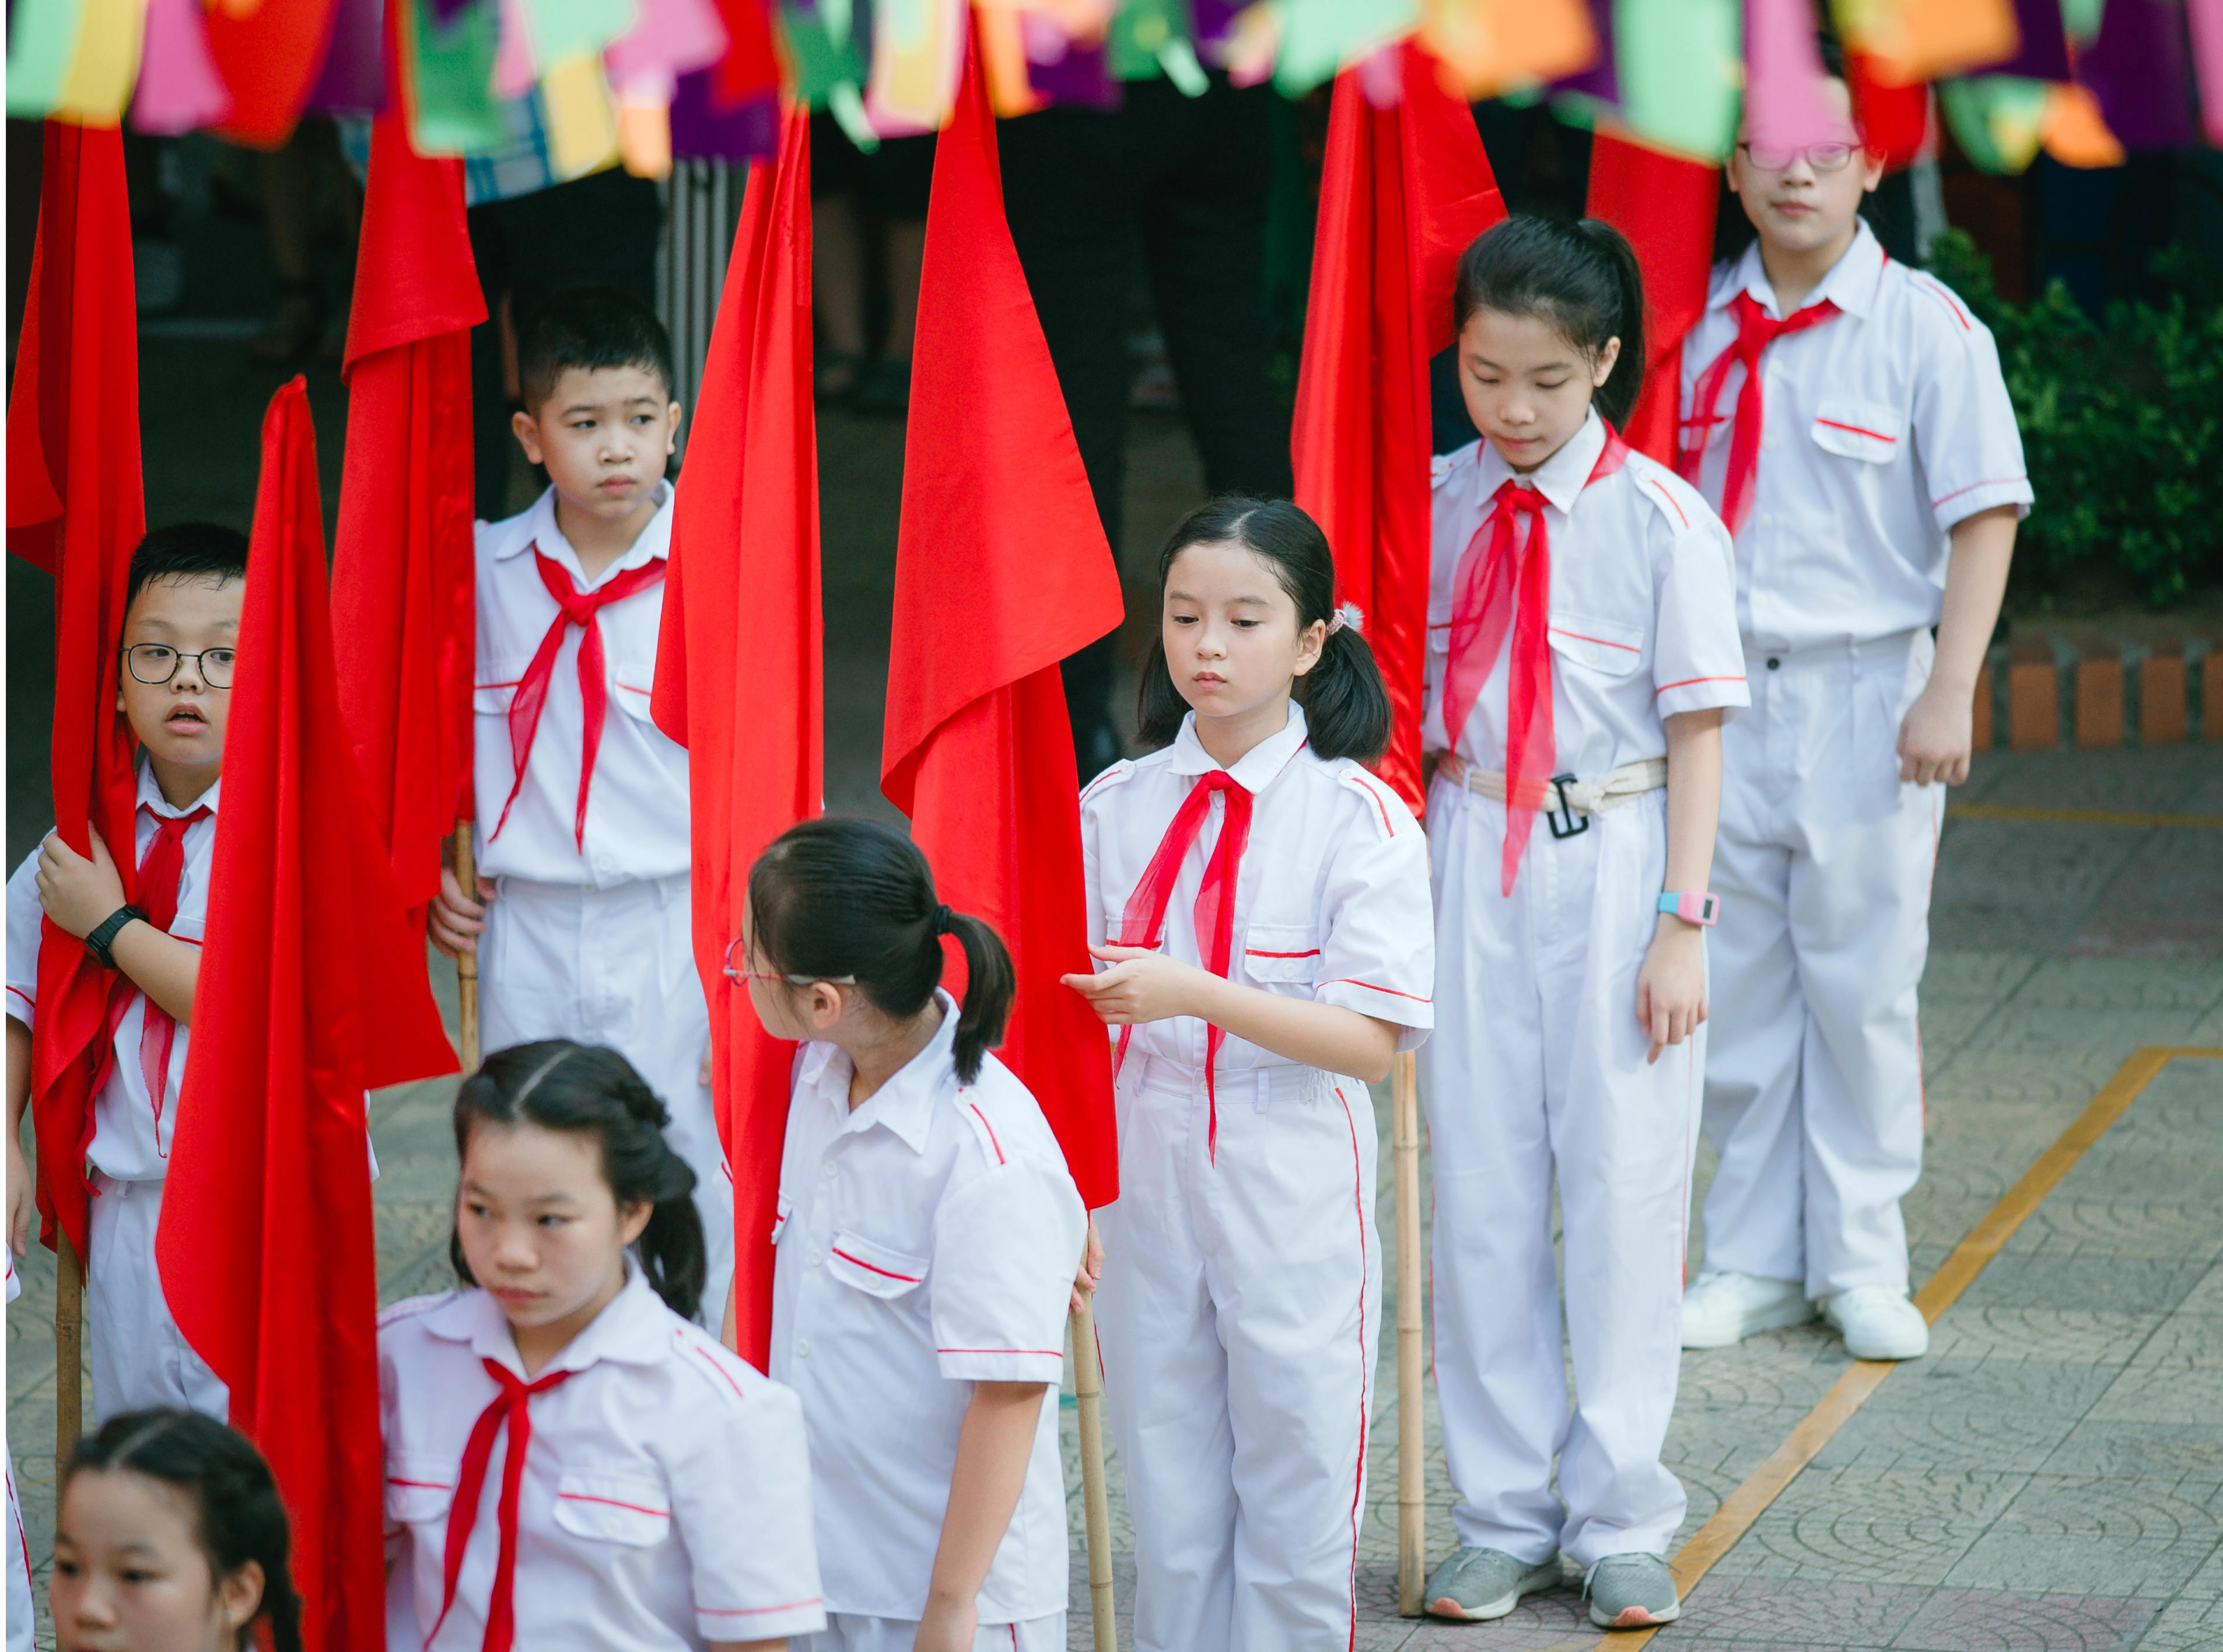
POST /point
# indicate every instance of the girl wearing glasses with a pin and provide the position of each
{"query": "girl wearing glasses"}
(928, 1236)
(1847, 417)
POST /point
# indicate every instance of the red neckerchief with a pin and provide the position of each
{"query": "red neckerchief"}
(513, 1407)
(1756, 330)
(162, 869)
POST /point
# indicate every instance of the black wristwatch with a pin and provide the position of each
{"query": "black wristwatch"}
(108, 929)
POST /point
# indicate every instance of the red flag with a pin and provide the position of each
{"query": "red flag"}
(402, 562)
(75, 508)
(312, 989)
(1404, 191)
(1001, 571)
(1665, 204)
(269, 53)
(738, 665)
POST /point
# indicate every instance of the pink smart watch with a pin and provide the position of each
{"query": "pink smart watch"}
(1693, 907)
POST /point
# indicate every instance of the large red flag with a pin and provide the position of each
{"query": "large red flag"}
(75, 508)
(1404, 190)
(1665, 204)
(269, 53)
(1001, 571)
(402, 575)
(312, 990)
(737, 666)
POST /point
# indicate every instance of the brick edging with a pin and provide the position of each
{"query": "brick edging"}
(2043, 690)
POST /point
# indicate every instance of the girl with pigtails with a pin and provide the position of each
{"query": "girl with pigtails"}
(1258, 904)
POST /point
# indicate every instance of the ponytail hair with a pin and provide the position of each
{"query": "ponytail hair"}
(585, 1090)
(237, 1514)
(842, 896)
(1580, 276)
(1346, 707)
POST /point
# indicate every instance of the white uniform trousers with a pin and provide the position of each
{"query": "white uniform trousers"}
(1536, 1071)
(1237, 1319)
(1814, 1085)
(19, 1571)
(849, 1632)
(139, 1357)
(616, 966)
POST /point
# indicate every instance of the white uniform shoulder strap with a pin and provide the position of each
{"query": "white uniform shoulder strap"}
(1118, 774)
(974, 1105)
(1384, 807)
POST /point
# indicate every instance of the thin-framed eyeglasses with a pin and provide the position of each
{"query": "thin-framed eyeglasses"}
(1822, 157)
(156, 663)
(744, 973)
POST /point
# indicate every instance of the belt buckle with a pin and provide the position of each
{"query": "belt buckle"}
(1576, 824)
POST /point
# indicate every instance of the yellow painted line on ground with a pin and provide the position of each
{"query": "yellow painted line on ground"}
(2076, 816)
(1850, 1391)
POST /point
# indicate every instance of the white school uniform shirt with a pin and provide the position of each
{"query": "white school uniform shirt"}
(1332, 903)
(666, 1492)
(1884, 427)
(927, 1239)
(1643, 618)
(131, 1136)
(637, 810)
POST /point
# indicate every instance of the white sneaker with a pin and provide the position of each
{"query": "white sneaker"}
(1879, 1323)
(1725, 1307)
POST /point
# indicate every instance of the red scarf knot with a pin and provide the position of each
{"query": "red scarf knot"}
(1144, 921)
(162, 869)
(574, 606)
(1756, 330)
(511, 1407)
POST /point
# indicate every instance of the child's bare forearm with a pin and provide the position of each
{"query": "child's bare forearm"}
(160, 966)
(1694, 797)
(994, 1445)
(19, 1076)
(1325, 1035)
(1975, 584)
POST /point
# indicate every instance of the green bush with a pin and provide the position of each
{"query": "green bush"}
(2122, 422)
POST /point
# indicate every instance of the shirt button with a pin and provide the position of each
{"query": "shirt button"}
(1766, 518)
(1772, 662)
(830, 1170)
(816, 1259)
(802, 1348)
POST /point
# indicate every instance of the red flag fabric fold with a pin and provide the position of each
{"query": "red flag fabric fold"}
(1665, 204)
(1002, 569)
(312, 989)
(1403, 192)
(75, 508)
(402, 561)
(738, 674)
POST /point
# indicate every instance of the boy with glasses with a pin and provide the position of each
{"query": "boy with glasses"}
(1847, 417)
(181, 618)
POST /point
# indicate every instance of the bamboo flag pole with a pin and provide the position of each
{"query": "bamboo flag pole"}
(1412, 1354)
(69, 1353)
(467, 964)
(1095, 1498)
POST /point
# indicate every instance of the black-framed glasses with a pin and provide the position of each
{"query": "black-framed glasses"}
(156, 663)
(1822, 157)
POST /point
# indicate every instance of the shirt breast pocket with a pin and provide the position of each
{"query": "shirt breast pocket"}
(623, 1508)
(875, 1269)
(495, 685)
(1867, 431)
(418, 1491)
(1282, 958)
(1607, 647)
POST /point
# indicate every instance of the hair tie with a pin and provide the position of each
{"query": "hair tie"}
(1348, 615)
(941, 920)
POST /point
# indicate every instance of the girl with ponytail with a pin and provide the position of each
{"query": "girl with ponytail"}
(1582, 654)
(652, 1490)
(928, 1237)
(1259, 903)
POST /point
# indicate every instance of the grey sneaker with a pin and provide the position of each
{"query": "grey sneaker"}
(1477, 1584)
(1631, 1592)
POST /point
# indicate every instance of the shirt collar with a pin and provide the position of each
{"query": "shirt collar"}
(905, 1103)
(627, 1330)
(541, 532)
(152, 800)
(1561, 478)
(1850, 284)
(1256, 768)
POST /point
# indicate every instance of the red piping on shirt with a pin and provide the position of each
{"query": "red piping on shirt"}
(1358, 1483)
(512, 683)
(27, 998)
(1947, 299)
(1988, 482)
(630, 689)
(713, 1364)
(1874, 435)
(992, 1142)
(1046, 1354)
(1562, 631)
(1347, 981)
(1668, 499)
(908, 1279)
(757, 1611)
(1378, 803)
(426, 1485)
(581, 1497)
(1687, 681)
(1253, 952)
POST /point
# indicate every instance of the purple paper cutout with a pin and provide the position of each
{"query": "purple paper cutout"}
(701, 130)
(1079, 79)
(1599, 80)
(354, 76)
(2043, 53)
(1214, 20)
(2138, 69)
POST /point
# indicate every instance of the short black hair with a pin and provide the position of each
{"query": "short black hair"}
(589, 327)
(185, 549)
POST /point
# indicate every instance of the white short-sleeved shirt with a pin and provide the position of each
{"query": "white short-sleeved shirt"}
(131, 1135)
(1332, 903)
(1643, 615)
(666, 1497)
(926, 1240)
(1883, 427)
(637, 818)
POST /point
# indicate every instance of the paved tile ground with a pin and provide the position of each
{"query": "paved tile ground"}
(2052, 1475)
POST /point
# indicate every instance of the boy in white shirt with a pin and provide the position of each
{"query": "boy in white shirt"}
(582, 828)
(1873, 477)
(181, 618)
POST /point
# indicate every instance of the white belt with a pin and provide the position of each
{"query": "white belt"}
(1281, 1081)
(1609, 790)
